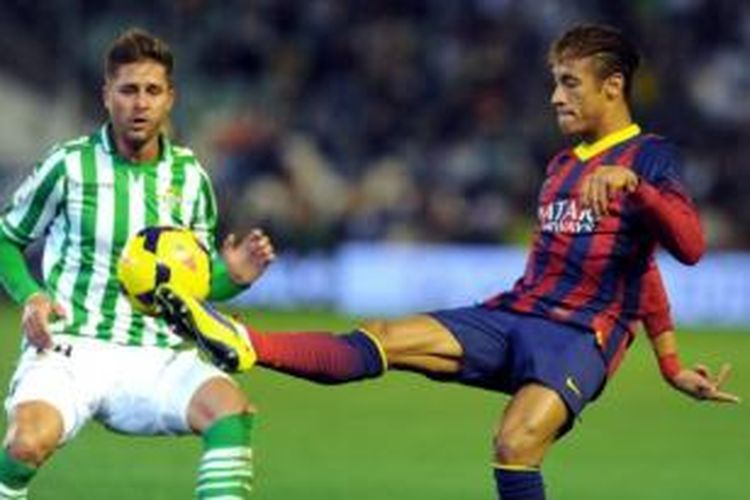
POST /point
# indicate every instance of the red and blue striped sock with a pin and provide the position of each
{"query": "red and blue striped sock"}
(321, 356)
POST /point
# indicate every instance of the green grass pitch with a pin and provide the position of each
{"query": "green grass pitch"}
(405, 437)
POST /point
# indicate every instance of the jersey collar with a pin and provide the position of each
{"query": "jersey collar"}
(585, 152)
(165, 149)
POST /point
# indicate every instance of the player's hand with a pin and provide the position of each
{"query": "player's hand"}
(248, 257)
(38, 311)
(698, 383)
(605, 183)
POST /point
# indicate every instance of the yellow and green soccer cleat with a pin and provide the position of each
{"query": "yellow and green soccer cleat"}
(223, 339)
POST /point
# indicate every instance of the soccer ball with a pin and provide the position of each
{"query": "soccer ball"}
(158, 255)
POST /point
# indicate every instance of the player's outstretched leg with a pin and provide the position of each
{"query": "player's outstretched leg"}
(224, 340)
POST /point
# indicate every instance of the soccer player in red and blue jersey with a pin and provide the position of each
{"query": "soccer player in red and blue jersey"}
(552, 341)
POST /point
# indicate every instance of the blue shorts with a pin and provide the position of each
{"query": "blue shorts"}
(504, 350)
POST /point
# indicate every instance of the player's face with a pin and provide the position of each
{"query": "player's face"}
(579, 97)
(139, 98)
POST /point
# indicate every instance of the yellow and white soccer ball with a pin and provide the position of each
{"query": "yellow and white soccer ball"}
(163, 254)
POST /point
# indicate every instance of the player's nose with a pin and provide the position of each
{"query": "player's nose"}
(557, 98)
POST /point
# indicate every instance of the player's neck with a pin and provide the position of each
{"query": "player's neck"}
(138, 153)
(609, 124)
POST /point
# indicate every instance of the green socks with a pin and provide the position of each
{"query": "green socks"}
(14, 477)
(226, 466)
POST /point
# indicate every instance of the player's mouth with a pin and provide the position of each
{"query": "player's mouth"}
(566, 119)
(139, 123)
(565, 115)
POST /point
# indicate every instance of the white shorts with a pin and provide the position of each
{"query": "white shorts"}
(130, 389)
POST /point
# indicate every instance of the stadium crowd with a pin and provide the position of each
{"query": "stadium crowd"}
(412, 120)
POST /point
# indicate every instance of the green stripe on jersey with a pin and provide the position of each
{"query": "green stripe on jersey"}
(86, 235)
(86, 201)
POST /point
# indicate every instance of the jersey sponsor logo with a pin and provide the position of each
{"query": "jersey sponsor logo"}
(566, 216)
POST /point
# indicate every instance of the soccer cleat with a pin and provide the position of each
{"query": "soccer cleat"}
(223, 339)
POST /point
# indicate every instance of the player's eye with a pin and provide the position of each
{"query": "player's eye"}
(127, 89)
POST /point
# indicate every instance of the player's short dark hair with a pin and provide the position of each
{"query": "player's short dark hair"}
(608, 46)
(136, 45)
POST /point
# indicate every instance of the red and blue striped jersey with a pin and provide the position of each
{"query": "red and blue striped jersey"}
(600, 273)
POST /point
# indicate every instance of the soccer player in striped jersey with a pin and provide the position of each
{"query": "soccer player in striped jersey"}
(87, 353)
(552, 341)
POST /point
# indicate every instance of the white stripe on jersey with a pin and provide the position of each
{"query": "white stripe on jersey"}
(105, 216)
(190, 193)
(165, 196)
(72, 258)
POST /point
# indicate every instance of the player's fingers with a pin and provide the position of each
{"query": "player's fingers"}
(632, 183)
(724, 397)
(37, 334)
(723, 375)
(600, 197)
(259, 246)
(585, 193)
(702, 370)
(229, 241)
(59, 310)
(265, 253)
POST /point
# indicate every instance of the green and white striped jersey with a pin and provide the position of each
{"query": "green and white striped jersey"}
(86, 201)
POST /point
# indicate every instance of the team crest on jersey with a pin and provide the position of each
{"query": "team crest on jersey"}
(566, 216)
(172, 197)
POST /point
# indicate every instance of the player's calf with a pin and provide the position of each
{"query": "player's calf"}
(226, 468)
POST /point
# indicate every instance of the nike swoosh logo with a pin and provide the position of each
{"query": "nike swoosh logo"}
(571, 384)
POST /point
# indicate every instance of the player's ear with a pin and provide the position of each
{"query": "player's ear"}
(105, 95)
(172, 95)
(614, 86)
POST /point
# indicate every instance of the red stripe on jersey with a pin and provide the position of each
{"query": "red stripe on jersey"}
(558, 169)
(592, 286)
(602, 245)
(557, 267)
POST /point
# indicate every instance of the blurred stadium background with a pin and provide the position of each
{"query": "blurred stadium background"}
(393, 150)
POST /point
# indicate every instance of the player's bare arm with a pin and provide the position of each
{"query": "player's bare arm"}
(248, 257)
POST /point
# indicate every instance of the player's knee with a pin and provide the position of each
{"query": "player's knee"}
(216, 399)
(34, 433)
(377, 328)
(31, 448)
(521, 445)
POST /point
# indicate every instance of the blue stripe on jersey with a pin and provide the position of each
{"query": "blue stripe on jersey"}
(541, 257)
(579, 248)
(622, 329)
(659, 163)
(606, 293)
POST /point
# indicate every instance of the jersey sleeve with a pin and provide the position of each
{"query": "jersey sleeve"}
(663, 200)
(204, 225)
(654, 308)
(36, 201)
(206, 214)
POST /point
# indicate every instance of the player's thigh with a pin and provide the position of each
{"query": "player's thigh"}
(414, 339)
(47, 401)
(531, 422)
(216, 398)
(155, 391)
